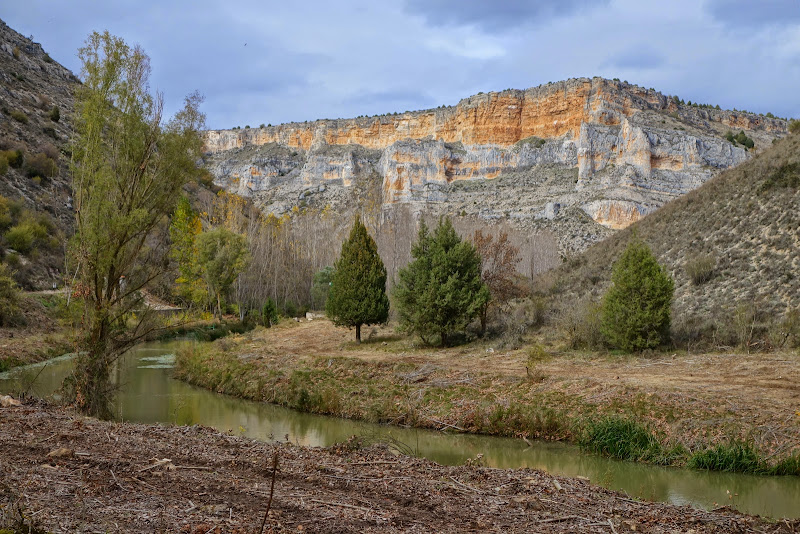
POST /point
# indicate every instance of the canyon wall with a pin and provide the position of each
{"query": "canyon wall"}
(615, 151)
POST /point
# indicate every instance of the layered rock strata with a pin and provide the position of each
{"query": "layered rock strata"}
(627, 150)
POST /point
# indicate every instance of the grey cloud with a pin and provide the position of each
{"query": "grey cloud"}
(747, 14)
(643, 57)
(497, 15)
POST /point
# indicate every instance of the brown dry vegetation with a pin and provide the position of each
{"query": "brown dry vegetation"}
(67, 473)
(695, 400)
(746, 220)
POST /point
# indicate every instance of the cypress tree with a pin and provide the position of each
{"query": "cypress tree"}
(441, 290)
(358, 287)
(636, 309)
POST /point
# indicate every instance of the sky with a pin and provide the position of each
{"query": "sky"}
(265, 61)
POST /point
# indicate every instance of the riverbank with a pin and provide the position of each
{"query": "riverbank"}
(68, 473)
(40, 335)
(721, 411)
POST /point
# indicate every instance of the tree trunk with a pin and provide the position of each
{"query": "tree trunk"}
(358, 333)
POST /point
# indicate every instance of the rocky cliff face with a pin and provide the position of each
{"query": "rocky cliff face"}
(614, 150)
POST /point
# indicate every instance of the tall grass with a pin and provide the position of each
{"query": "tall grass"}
(733, 457)
(623, 439)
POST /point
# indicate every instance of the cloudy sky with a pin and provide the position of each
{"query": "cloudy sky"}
(264, 61)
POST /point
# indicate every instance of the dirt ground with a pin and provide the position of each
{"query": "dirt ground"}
(67, 473)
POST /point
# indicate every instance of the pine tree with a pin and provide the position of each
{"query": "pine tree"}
(636, 309)
(440, 291)
(357, 293)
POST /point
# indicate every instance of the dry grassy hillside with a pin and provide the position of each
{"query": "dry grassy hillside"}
(739, 235)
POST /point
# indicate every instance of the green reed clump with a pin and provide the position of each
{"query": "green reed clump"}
(623, 439)
(732, 457)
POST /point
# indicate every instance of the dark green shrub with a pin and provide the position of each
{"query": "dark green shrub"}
(700, 269)
(41, 165)
(49, 131)
(15, 158)
(55, 114)
(290, 309)
(794, 126)
(3, 165)
(733, 457)
(636, 309)
(785, 176)
(19, 116)
(269, 314)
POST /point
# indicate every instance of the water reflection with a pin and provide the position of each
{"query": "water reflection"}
(149, 395)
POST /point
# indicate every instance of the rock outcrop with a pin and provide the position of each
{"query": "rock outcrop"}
(623, 150)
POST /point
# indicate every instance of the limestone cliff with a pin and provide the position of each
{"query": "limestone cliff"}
(615, 150)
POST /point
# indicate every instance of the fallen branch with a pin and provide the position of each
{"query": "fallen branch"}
(446, 424)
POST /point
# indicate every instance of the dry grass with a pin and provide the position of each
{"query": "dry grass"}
(694, 399)
(751, 231)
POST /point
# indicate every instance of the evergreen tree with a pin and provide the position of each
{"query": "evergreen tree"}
(636, 309)
(440, 291)
(357, 293)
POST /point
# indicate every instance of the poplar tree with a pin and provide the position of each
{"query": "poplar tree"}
(440, 292)
(184, 231)
(636, 309)
(357, 293)
(128, 167)
(222, 255)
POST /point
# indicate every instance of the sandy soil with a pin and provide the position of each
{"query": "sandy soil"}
(67, 473)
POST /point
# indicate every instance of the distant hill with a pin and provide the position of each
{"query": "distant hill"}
(744, 225)
(35, 209)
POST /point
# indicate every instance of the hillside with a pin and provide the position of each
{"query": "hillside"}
(745, 223)
(35, 208)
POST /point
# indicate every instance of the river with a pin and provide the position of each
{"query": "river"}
(150, 395)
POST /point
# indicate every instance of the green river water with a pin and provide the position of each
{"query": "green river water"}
(150, 395)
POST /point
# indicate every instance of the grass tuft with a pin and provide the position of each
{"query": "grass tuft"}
(733, 457)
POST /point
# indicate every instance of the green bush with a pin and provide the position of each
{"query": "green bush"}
(41, 165)
(24, 235)
(269, 313)
(785, 176)
(19, 116)
(794, 126)
(3, 165)
(14, 158)
(700, 269)
(636, 309)
(55, 114)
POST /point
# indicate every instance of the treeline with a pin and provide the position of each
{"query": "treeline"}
(287, 261)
